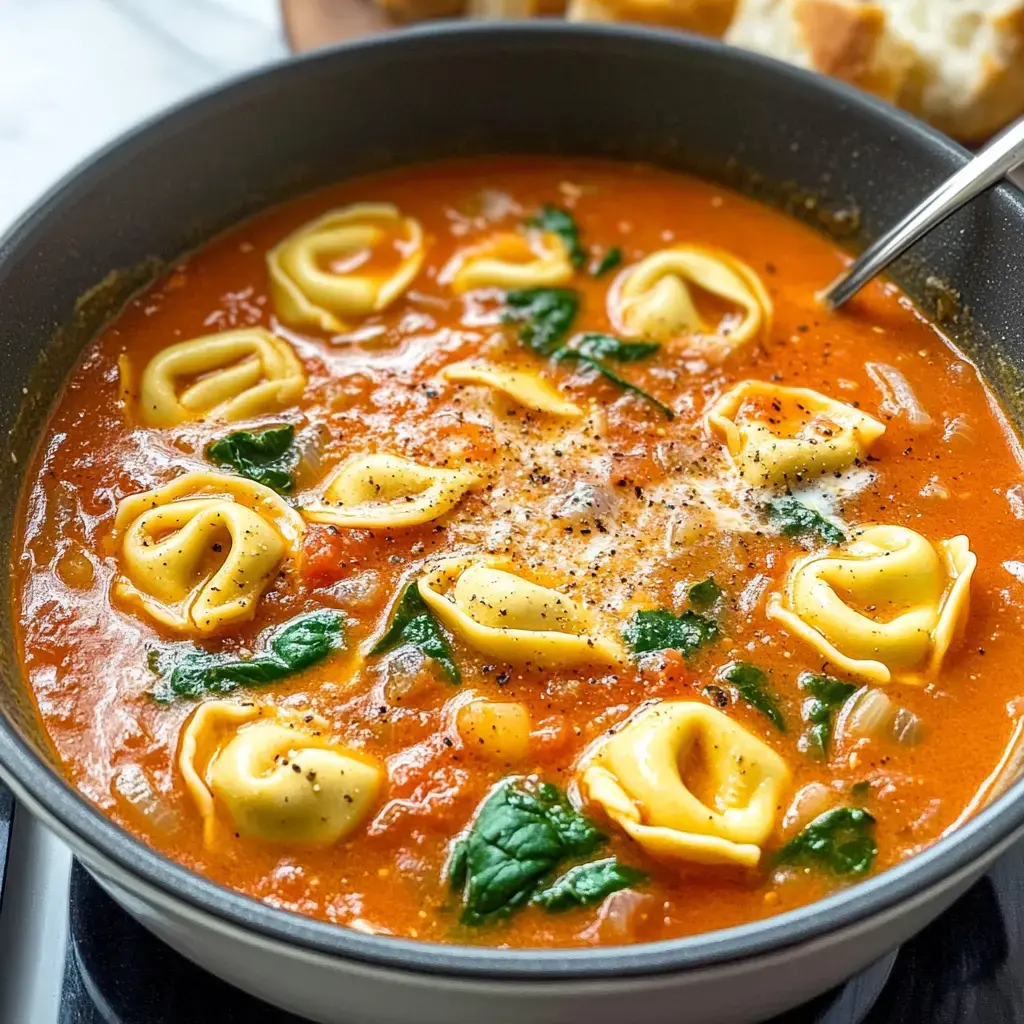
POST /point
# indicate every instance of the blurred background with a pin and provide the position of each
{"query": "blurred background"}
(75, 73)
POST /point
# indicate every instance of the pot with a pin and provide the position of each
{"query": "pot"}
(831, 155)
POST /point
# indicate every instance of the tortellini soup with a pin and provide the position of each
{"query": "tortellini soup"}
(514, 552)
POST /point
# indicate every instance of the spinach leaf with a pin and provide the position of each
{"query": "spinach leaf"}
(189, 671)
(586, 884)
(657, 629)
(608, 373)
(825, 695)
(561, 223)
(268, 457)
(413, 624)
(752, 685)
(520, 833)
(607, 346)
(545, 316)
(796, 520)
(609, 261)
(840, 840)
(704, 594)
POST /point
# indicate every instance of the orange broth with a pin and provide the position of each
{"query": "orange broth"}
(377, 389)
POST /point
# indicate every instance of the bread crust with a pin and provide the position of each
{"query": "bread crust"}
(404, 11)
(999, 97)
(705, 17)
(861, 42)
(853, 44)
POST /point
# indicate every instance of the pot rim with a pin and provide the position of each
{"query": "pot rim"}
(65, 808)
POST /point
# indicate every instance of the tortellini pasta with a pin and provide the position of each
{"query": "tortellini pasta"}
(779, 436)
(508, 260)
(345, 265)
(388, 491)
(274, 775)
(234, 375)
(197, 553)
(508, 617)
(655, 299)
(494, 730)
(886, 606)
(687, 783)
(525, 387)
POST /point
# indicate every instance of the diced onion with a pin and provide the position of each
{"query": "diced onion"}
(620, 917)
(867, 713)
(811, 800)
(75, 567)
(907, 728)
(309, 443)
(405, 674)
(959, 434)
(898, 397)
(872, 714)
(360, 924)
(585, 501)
(134, 785)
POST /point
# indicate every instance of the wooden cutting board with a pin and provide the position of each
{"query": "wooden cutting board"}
(310, 24)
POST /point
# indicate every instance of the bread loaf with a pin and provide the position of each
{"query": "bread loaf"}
(957, 63)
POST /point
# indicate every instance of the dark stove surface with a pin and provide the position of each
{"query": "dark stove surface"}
(6, 818)
(965, 968)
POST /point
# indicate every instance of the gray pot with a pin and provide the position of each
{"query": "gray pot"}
(831, 155)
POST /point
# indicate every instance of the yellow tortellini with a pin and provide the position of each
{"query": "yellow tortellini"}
(886, 606)
(687, 783)
(510, 618)
(779, 436)
(388, 491)
(345, 265)
(508, 260)
(654, 299)
(274, 775)
(527, 388)
(197, 553)
(494, 730)
(234, 375)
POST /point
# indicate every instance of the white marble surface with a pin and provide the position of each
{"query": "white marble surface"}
(76, 73)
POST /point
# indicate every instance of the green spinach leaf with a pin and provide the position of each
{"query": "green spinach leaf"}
(704, 594)
(189, 671)
(414, 624)
(587, 884)
(657, 629)
(609, 261)
(520, 833)
(752, 685)
(825, 695)
(268, 457)
(561, 223)
(607, 346)
(545, 316)
(609, 374)
(794, 519)
(840, 840)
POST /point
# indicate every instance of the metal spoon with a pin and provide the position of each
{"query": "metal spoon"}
(990, 165)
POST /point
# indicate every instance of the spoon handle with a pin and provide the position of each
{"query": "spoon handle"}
(991, 164)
